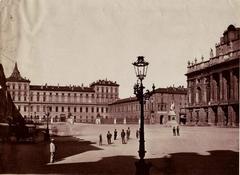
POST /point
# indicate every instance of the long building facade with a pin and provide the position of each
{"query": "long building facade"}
(98, 103)
(82, 104)
(156, 109)
(213, 85)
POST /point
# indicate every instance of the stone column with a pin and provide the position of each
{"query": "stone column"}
(124, 121)
(231, 84)
(210, 116)
(211, 88)
(205, 91)
(197, 117)
(220, 115)
(230, 116)
(206, 116)
(221, 87)
(191, 117)
(236, 87)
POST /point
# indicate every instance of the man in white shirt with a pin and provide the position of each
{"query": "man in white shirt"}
(52, 151)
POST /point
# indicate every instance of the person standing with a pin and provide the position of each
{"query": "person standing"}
(100, 140)
(137, 134)
(109, 135)
(174, 131)
(128, 133)
(52, 151)
(178, 134)
(115, 134)
(123, 136)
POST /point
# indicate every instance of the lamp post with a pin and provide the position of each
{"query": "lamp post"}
(47, 137)
(140, 67)
(152, 112)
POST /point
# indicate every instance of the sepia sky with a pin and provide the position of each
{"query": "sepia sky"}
(79, 41)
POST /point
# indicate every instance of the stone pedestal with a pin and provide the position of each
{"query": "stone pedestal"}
(124, 121)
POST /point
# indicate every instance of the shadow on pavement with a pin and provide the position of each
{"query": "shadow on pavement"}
(32, 159)
(217, 163)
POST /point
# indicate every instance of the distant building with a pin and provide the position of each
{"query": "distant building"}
(156, 109)
(213, 84)
(8, 112)
(11, 121)
(82, 104)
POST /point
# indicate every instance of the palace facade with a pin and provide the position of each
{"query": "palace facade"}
(213, 85)
(98, 102)
(156, 109)
(83, 104)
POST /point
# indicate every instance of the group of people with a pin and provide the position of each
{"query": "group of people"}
(125, 136)
(176, 131)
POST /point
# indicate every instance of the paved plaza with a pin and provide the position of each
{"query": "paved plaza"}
(198, 150)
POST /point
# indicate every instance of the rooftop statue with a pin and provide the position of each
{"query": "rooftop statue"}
(172, 106)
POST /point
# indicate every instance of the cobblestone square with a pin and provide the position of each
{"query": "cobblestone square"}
(198, 150)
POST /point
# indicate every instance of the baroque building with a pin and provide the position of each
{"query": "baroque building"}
(156, 109)
(83, 104)
(213, 85)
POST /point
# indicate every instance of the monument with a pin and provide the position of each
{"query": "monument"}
(172, 116)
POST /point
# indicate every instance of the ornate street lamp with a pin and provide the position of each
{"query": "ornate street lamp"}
(140, 67)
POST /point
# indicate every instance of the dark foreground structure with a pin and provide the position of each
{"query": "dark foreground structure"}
(24, 161)
(11, 121)
(213, 85)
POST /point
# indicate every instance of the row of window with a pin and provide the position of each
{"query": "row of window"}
(136, 107)
(18, 86)
(69, 109)
(25, 99)
(99, 89)
(107, 89)
(75, 98)
(58, 117)
(132, 107)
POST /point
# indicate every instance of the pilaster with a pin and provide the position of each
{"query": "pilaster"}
(211, 88)
(231, 116)
(221, 89)
(231, 84)
(220, 115)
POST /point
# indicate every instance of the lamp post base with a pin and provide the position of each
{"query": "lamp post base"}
(142, 168)
(47, 136)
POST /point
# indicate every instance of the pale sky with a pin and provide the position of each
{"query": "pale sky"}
(80, 41)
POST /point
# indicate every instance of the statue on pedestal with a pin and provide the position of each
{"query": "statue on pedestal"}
(172, 116)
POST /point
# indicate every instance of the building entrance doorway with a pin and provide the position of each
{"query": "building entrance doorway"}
(161, 119)
(62, 118)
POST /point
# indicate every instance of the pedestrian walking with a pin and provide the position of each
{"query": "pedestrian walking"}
(100, 140)
(128, 133)
(174, 131)
(52, 151)
(109, 136)
(137, 134)
(123, 136)
(115, 134)
(178, 129)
